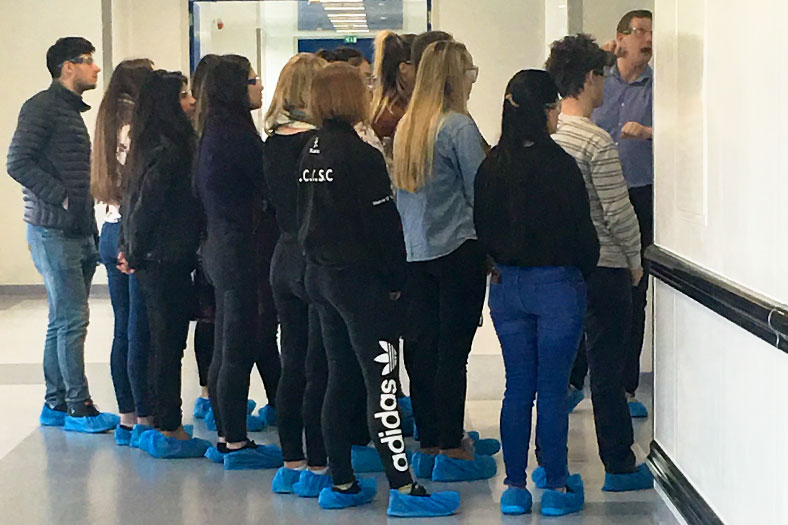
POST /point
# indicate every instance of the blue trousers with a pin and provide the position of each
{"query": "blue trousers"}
(538, 316)
(131, 338)
(67, 265)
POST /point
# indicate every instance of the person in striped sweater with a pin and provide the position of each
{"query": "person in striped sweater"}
(577, 64)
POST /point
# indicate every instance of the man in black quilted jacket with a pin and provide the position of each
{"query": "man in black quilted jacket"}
(50, 157)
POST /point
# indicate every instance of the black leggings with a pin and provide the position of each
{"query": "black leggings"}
(235, 333)
(304, 367)
(167, 291)
(445, 304)
(354, 306)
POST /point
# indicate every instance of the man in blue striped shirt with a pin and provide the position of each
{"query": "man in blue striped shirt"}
(626, 115)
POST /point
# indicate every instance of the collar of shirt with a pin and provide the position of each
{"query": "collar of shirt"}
(644, 77)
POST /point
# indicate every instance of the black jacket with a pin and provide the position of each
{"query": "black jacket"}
(161, 215)
(346, 213)
(50, 157)
(533, 210)
(280, 165)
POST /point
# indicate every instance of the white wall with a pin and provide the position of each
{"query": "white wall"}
(503, 37)
(24, 40)
(155, 29)
(719, 189)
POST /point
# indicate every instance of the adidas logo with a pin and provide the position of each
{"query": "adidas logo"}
(388, 357)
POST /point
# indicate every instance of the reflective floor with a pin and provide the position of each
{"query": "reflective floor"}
(48, 476)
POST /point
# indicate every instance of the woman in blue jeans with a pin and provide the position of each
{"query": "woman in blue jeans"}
(131, 339)
(532, 216)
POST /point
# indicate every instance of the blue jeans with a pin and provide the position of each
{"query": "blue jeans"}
(538, 316)
(67, 265)
(131, 339)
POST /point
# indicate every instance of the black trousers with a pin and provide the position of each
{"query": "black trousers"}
(302, 386)
(203, 348)
(226, 261)
(607, 344)
(643, 201)
(354, 306)
(167, 291)
(445, 298)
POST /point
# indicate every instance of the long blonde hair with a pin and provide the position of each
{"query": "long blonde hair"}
(293, 88)
(440, 88)
(390, 51)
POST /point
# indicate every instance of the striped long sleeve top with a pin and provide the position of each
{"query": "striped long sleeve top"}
(611, 211)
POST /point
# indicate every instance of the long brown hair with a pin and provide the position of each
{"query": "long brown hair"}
(390, 51)
(199, 77)
(115, 111)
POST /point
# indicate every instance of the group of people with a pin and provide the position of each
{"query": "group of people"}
(364, 230)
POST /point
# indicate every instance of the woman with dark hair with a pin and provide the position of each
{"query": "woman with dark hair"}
(532, 216)
(229, 182)
(350, 232)
(206, 303)
(395, 76)
(161, 226)
(131, 340)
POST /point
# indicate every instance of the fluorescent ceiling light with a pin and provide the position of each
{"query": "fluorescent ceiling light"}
(352, 31)
(345, 15)
(343, 8)
(340, 1)
(349, 21)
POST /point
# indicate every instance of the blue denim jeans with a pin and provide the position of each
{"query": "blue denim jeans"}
(67, 265)
(538, 316)
(131, 338)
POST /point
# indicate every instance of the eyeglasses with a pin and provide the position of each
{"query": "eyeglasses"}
(88, 61)
(253, 81)
(639, 32)
(472, 73)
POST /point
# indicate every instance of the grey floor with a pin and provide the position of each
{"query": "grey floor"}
(48, 476)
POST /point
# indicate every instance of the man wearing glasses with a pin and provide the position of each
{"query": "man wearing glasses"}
(50, 157)
(626, 115)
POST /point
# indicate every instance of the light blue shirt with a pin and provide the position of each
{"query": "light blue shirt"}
(438, 217)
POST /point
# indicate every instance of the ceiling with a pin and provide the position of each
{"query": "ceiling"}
(328, 16)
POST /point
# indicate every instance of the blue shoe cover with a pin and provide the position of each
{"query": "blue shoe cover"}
(423, 464)
(201, 407)
(484, 447)
(641, 479)
(516, 501)
(556, 503)
(637, 409)
(122, 436)
(254, 423)
(573, 398)
(539, 477)
(160, 446)
(250, 405)
(365, 460)
(136, 432)
(210, 420)
(92, 425)
(407, 506)
(264, 456)
(51, 418)
(408, 426)
(405, 407)
(214, 455)
(284, 480)
(310, 484)
(268, 415)
(449, 469)
(330, 499)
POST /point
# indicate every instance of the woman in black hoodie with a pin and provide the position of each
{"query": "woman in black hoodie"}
(230, 185)
(161, 232)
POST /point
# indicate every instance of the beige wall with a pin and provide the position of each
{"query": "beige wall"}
(34, 26)
(503, 37)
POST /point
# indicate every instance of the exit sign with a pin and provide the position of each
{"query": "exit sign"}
(351, 39)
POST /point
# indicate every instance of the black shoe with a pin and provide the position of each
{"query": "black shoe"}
(60, 408)
(418, 490)
(86, 409)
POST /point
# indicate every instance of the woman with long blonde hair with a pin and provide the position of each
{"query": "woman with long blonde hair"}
(131, 340)
(304, 367)
(437, 151)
